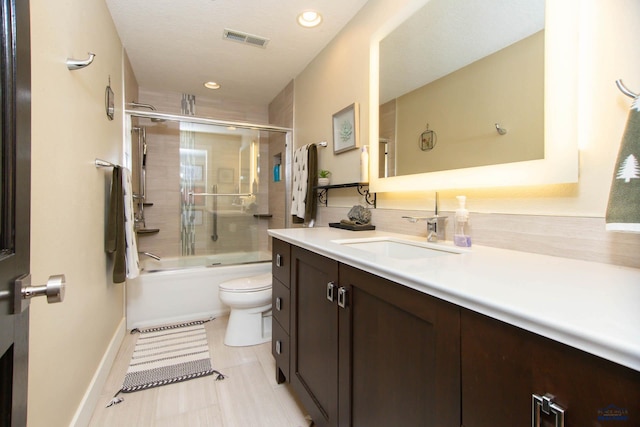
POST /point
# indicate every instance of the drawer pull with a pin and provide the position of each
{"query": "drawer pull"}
(278, 260)
(278, 303)
(278, 347)
(548, 406)
(331, 291)
(342, 297)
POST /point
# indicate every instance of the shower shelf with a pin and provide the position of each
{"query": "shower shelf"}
(145, 231)
(362, 187)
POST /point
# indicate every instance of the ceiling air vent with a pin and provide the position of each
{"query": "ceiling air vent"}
(240, 37)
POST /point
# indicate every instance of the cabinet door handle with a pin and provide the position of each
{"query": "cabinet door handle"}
(278, 303)
(548, 406)
(342, 297)
(278, 347)
(278, 260)
(330, 291)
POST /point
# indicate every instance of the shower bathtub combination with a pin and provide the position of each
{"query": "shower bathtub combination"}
(166, 292)
(215, 176)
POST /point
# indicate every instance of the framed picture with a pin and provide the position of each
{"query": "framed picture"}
(346, 129)
(193, 166)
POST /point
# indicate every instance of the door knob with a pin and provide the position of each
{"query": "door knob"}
(54, 290)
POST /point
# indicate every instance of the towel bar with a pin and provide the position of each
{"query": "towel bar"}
(104, 164)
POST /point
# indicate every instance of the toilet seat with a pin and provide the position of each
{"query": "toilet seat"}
(256, 283)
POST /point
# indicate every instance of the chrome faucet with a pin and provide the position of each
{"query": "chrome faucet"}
(435, 228)
(436, 224)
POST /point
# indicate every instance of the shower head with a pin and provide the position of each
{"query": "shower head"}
(140, 105)
(149, 106)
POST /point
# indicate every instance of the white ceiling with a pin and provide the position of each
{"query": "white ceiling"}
(177, 45)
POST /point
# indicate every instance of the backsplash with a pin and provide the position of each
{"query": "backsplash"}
(583, 238)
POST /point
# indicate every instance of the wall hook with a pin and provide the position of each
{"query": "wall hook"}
(76, 64)
(625, 90)
(500, 129)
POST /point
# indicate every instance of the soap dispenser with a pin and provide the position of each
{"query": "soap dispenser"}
(461, 229)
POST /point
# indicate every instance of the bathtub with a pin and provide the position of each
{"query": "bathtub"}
(182, 289)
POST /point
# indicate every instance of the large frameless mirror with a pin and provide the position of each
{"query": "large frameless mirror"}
(465, 96)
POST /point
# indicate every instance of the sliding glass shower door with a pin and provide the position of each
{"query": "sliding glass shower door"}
(217, 178)
(220, 181)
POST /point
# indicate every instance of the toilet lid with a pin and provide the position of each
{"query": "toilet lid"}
(259, 282)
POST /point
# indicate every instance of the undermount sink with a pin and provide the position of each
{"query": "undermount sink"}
(397, 248)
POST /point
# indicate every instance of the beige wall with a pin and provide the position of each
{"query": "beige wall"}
(336, 78)
(339, 76)
(69, 198)
(506, 87)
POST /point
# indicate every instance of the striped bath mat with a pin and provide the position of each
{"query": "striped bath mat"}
(166, 355)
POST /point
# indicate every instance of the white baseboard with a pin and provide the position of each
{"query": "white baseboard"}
(85, 410)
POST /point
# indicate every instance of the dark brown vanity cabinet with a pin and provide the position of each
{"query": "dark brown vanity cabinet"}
(281, 303)
(314, 335)
(504, 366)
(365, 351)
(368, 352)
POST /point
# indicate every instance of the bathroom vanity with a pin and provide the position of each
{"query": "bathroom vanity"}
(379, 329)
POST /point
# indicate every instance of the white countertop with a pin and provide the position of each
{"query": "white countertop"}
(590, 306)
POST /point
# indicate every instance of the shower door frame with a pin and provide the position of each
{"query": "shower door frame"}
(155, 115)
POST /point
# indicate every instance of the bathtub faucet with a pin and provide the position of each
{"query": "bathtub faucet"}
(151, 255)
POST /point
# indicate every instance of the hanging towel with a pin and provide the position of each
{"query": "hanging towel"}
(299, 186)
(132, 261)
(115, 243)
(303, 194)
(311, 201)
(623, 209)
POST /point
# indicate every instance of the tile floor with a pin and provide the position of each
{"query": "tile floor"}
(249, 396)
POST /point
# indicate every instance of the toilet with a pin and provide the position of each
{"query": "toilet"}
(250, 301)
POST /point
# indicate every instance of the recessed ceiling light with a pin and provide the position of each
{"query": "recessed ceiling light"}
(309, 18)
(212, 85)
